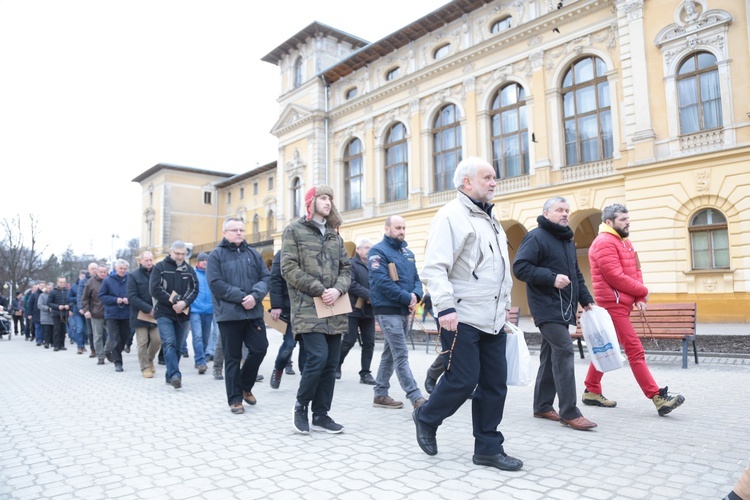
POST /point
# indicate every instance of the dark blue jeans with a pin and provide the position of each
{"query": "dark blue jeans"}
(200, 325)
(285, 350)
(319, 375)
(235, 334)
(478, 360)
(366, 328)
(172, 333)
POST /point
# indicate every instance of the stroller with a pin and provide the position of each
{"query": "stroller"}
(5, 324)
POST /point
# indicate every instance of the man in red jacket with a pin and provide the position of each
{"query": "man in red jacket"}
(618, 286)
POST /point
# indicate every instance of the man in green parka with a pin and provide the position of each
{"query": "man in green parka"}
(315, 263)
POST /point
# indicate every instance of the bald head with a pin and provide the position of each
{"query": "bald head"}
(395, 227)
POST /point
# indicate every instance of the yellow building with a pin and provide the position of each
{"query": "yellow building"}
(641, 102)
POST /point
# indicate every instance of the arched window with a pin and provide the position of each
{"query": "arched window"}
(501, 25)
(396, 163)
(353, 175)
(271, 227)
(446, 146)
(298, 72)
(698, 92)
(709, 240)
(442, 51)
(256, 224)
(587, 115)
(296, 197)
(393, 74)
(351, 93)
(510, 135)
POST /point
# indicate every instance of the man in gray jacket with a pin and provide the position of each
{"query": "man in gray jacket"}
(467, 270)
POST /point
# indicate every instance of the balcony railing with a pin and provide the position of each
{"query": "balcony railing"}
(261, 236)
(394, 207)
(702, 141)
(593, 170)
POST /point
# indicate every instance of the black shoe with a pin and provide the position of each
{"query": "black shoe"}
(301, 422)
(276, 378)
(185, 354)
(118, 368)
(210, 358)
(55, 349)
(109, 357)
(425, 438)
(429, 385)
(176, 382)
(367, 379)
(46, 346)
(500, 461)
(162, 362)
(127, 349)
(63, 348)
(338, 373)
(326, 424)
(259, 378)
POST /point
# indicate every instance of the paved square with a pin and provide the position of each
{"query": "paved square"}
(72, 429)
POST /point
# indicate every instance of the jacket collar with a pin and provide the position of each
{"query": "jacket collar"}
(604, 228)
(394, 243)
(474, 205)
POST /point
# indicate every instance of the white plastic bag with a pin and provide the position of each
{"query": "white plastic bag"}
(601, 339)
(517, 357)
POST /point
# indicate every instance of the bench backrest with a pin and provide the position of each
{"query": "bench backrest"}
(664, 319)
(513, 315)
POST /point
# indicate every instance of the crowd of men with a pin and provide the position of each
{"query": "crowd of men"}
(328, 301)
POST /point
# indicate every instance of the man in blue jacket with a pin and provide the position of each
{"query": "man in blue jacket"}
(201, 315)
(395, 291)
(114, 296)
(238, 279)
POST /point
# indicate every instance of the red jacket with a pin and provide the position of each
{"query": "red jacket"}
(615, 271)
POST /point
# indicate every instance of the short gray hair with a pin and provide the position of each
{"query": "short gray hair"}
(467, 168)
(178, 245)
(611, 212)
(553, 201)
(362, 242)
(229, 220)
(122, 262)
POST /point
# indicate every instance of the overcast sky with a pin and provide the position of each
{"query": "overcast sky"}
(94, 92)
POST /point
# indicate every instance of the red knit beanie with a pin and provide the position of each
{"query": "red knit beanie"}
(309, 200)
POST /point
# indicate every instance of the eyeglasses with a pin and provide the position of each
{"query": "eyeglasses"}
(237, 230)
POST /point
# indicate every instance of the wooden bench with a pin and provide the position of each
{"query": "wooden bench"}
(512, 316)
(667, 321)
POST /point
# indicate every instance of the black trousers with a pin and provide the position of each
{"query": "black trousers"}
(478, 360)
(234, 334)
(366, 328)
(47, 330)
(59, 329)
(117, 334)
(16, 321)
(556, 375)
(318, 378)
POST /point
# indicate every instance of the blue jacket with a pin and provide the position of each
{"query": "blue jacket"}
(113, 287)
(388, 296)
(203, 302)
(234, 272)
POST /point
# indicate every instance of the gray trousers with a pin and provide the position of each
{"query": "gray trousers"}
(97, 327)
(395, 357)
(556, 375)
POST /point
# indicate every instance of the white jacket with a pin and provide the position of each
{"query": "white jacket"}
(467, 265)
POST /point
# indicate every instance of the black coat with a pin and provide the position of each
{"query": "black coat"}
(279, 290)
(139, 296)
(167, 277)
(360, 288)
(540, 258)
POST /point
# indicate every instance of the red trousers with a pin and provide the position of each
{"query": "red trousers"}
(633, 350)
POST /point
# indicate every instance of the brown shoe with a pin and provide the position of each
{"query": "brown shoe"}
(147, 373)
(580, 424)
(419, 402)
(202, 369)
(249, 398)
(151, 366)
(549, 415)
(387, 402)
(93, 354)
(237, 408)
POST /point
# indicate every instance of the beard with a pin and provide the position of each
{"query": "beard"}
(624, 233)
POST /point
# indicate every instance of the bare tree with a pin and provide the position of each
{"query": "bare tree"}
(20, 263)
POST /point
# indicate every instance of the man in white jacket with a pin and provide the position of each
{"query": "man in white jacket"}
(467, 270)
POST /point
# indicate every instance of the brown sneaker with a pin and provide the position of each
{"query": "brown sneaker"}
(387, 402)
(419, 402)
(202, 369)
(237, 408)
(249, 398)
(147, 373)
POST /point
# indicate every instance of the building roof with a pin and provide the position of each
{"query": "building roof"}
(419, 28)
(310, 31)
(247, 175)
(168, 166)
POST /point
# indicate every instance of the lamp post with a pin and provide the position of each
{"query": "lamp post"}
(9, 285)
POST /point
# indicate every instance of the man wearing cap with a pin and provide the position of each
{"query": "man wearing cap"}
(201, 315)
(315, 263)
(238, 279)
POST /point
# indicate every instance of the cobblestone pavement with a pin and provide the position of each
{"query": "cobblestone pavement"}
(72, 429)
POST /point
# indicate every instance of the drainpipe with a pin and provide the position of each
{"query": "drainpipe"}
(325, 128)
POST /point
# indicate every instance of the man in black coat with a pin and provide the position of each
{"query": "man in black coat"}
(547, 262)
(280, 310)
(361, 319)
(60, 305)
(147, 337)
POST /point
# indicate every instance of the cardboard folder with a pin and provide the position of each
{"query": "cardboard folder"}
(146, 317)
(360, 303)
(392, 272)
(341, 306)
(172, 299)
(276, 324)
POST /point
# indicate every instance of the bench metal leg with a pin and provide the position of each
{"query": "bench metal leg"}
(580, 348)
(695, 352)
(684, 353)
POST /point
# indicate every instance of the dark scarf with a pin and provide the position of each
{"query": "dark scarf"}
(560, 232)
